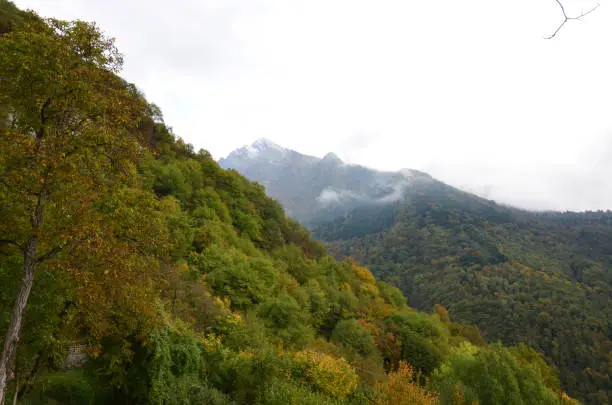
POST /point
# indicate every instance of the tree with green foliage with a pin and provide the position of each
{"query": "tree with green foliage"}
(68, 140)
(491, 376)
(350, 334)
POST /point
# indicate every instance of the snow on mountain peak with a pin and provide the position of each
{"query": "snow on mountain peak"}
(257, 148)
(408, 173)
(262, 148)
(332, 157)
(263, 144)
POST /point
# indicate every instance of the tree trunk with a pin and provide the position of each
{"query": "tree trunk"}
(12, 334)
(16, 394)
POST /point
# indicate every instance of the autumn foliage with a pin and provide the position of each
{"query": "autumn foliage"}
(401, 388)
(180, 282)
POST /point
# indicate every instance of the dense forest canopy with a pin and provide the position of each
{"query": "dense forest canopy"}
(539, 278)
(542, 279)
(157, 277)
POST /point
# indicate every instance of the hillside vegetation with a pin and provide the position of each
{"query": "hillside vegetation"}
(159, 278)
(540, 279)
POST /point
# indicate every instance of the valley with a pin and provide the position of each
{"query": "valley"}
(543, 279)
(137, 269)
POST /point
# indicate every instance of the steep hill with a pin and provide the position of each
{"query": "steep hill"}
(538, 278)
(160, 278)
(543, 279)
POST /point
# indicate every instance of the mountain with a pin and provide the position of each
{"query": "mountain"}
(314, 190)
(543, 279)
(134, 270)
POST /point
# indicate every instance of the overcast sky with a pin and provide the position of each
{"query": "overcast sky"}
(468, 90)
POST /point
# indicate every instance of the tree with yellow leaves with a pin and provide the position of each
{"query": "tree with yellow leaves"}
(66, 141)
(401, 388)
(332, 376)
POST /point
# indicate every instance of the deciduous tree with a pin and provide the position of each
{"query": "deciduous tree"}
(67, 139)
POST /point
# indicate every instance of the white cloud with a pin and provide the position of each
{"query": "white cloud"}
(331, 196)
(395, 195)
(466, 90)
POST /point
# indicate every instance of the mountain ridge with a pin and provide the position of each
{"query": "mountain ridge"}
(539, 278)
(334, 187)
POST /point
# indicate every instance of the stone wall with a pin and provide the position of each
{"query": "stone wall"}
(77, 356)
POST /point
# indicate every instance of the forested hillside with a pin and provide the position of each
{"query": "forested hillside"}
(159, 278)
(542, 279)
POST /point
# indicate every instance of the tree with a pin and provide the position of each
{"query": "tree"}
(491, 376)
(567, 18)
(67, 140)
(353, 336)
(401, 387)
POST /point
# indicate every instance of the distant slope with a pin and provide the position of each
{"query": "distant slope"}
(543, 279)
(313, 189)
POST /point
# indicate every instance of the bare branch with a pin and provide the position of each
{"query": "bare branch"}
(49, 254)
(11, 242)
(566, 18)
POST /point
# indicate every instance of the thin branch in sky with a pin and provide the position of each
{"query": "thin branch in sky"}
(566, 18)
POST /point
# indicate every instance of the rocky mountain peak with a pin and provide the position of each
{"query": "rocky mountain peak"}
(332, 158)
(264, 144)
